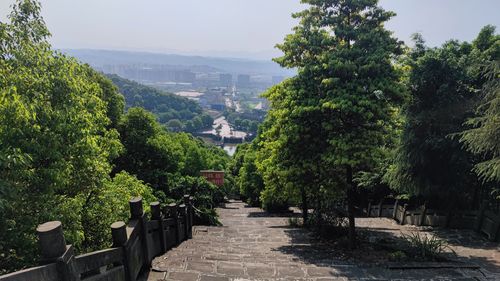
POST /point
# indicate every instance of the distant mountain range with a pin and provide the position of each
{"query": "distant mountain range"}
(100, 58)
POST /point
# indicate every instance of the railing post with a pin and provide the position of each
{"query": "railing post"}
(156, 215)
(403, 217)
(54, 249)
(395, 211)
(182, 219)
(369, 210)
(155, 210)
(51, 241)
(189, 216)
(191, 202)
(136, 210)
(449, 216)
(137, 213)
(165, 228)
(119, 235)
(423, 213)
(380, 207)
(479, 218)
(172, 210)
(496, 228)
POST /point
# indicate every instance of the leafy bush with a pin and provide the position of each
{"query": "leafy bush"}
(111, 204)
(250, 180)
(273, 201)
(206, 196)
(206, 216)
(295, 222)
(329, 223)
(397, 256)
(230, 188)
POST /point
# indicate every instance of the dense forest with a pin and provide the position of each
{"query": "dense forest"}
(176, 113)
(368, 117)
(69, 151)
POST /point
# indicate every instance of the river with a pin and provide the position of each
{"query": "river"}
(226, 131)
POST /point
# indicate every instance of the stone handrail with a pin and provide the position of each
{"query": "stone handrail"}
(483, 221)
(134, 246)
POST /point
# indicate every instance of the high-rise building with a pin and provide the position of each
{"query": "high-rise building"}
(226, 80)
(243, 80)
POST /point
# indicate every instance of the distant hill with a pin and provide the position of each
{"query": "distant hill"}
(169, 108)
(100, 58)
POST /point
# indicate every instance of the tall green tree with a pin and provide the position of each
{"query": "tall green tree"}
(336, 114)
(483, 138)
(445, 83)
(56, 136)
(249, 179)
(150, 153)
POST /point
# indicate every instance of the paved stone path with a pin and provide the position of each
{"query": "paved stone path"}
(468, 245)
(252, 245)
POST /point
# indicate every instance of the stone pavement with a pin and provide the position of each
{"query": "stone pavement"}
(468, 245)
(253, 245)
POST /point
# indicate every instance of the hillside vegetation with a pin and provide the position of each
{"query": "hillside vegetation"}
(69, 152)
(173, 111)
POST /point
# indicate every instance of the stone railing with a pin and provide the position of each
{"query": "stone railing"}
(483, 221)
(134, 246)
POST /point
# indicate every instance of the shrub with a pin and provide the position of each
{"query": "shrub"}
(295, 222)
(206, 196)
(206, 216)
(273, 201)
(397, 256)
(111, 204)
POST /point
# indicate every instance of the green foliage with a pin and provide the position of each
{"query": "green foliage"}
(170, 162)
(426, 247)
(295, 222)
(206, 196)
(245, 122)
(150, 153)
(398, 256)
(249, 178)
(175, 124)
(444, 84)
(274, 201)
(336, 117)
(110, 204)
(230, 187)
(61, 128)
(110, 95)
(56, 136)
(483, 138)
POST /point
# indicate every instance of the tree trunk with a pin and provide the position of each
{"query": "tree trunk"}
(304, 205)
(350, 208)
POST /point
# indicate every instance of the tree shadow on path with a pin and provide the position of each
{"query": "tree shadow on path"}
(371, 257)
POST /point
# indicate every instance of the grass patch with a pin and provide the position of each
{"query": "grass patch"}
(426, 247)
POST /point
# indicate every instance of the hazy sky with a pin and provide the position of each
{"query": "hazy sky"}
(245, 28)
